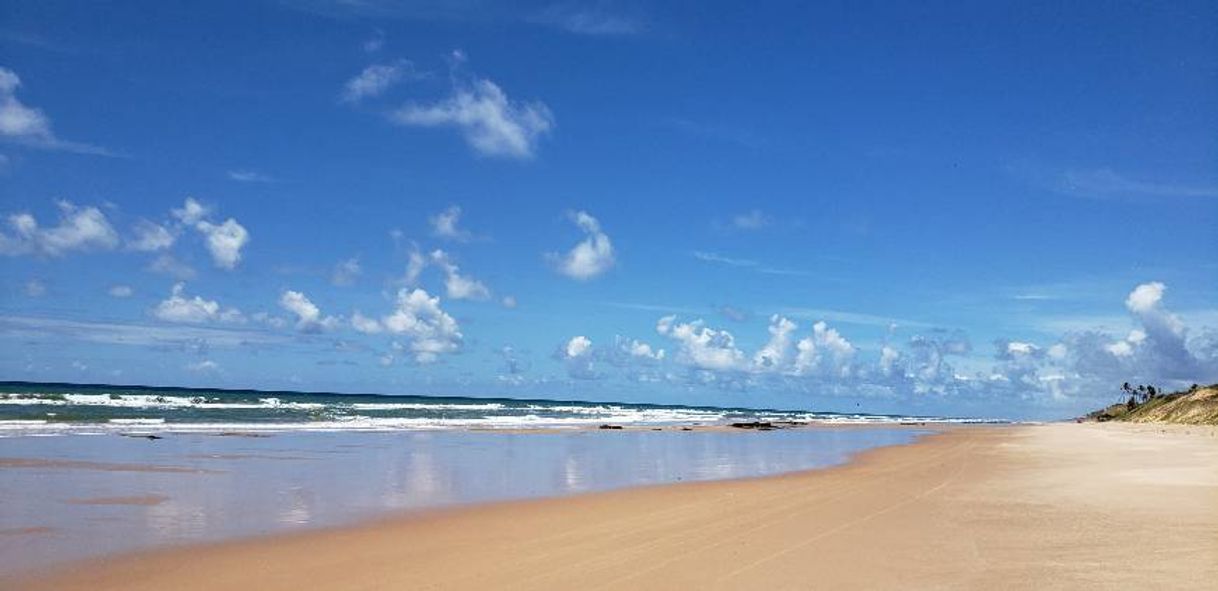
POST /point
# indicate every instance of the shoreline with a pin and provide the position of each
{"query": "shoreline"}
(217, 489)
(1040, 505)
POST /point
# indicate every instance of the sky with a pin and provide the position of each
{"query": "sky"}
(983, 208)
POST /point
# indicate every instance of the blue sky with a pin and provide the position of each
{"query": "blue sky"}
(966, 208)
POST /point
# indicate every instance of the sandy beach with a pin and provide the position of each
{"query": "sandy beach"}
(1048, 506)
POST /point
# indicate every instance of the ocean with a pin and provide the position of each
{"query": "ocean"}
(48, 409)
(105, 469)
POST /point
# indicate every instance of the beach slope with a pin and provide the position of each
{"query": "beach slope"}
(1060, 506)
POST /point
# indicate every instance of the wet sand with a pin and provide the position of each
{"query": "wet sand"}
(1052, 506)
(90, 496)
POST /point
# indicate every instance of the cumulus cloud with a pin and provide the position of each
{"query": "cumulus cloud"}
(1162, 340)
(191, 212)
(825, 352)
(577, 346)
(458, 286)
(935, 367)
(491, 123)
(151, 237)
(773, 356)
(446, 225)
(308, 315)
(640, 350)
(1145, 297)
(179, 307)
(18, 121)
(1087, 364)
(365, 324)
(29, 126)
(429, 330)
(593, 255)
(375, 79)
(702, 347)
(79, 229)
(577, 356)
(224, 241)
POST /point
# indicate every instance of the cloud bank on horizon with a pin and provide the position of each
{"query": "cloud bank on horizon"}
(381, 212)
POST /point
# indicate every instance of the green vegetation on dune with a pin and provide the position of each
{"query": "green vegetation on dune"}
(1196, 406)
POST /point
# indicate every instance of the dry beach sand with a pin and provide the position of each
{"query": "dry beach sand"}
(1017, 507)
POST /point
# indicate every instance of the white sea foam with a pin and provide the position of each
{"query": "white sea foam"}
(151, 401)
(339, 415)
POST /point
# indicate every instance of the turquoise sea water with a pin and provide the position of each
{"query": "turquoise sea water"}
(27, 409)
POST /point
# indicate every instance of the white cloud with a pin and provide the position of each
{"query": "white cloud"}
(752, 220)
(80, 229)
(773, 356)
(151, 237)
(640, 350)
(586, 20)
(578, 345)
(120, 291)
(458, 286)
(509, 302)
(414, 267)
(1121, 349)
(224, 241)
(446, 225)
(1145, 297)
(890, 359)
(249, 176)
(365, 324)
(577, 356)
(1021, 348)
(492, 124)
(308, 315)
(592, 256)
(1106, 182)
(52, 330)
(429, 329)
(702, 347)
(374, 80)
(269, 320)
(18, 121)
(826, 352)
(191, 212)
(711, 257)
(346, 272)
(28, 125)
(166, 264)
(193, 310)
(203, 366)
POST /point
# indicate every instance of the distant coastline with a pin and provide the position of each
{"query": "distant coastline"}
(1196, 406)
